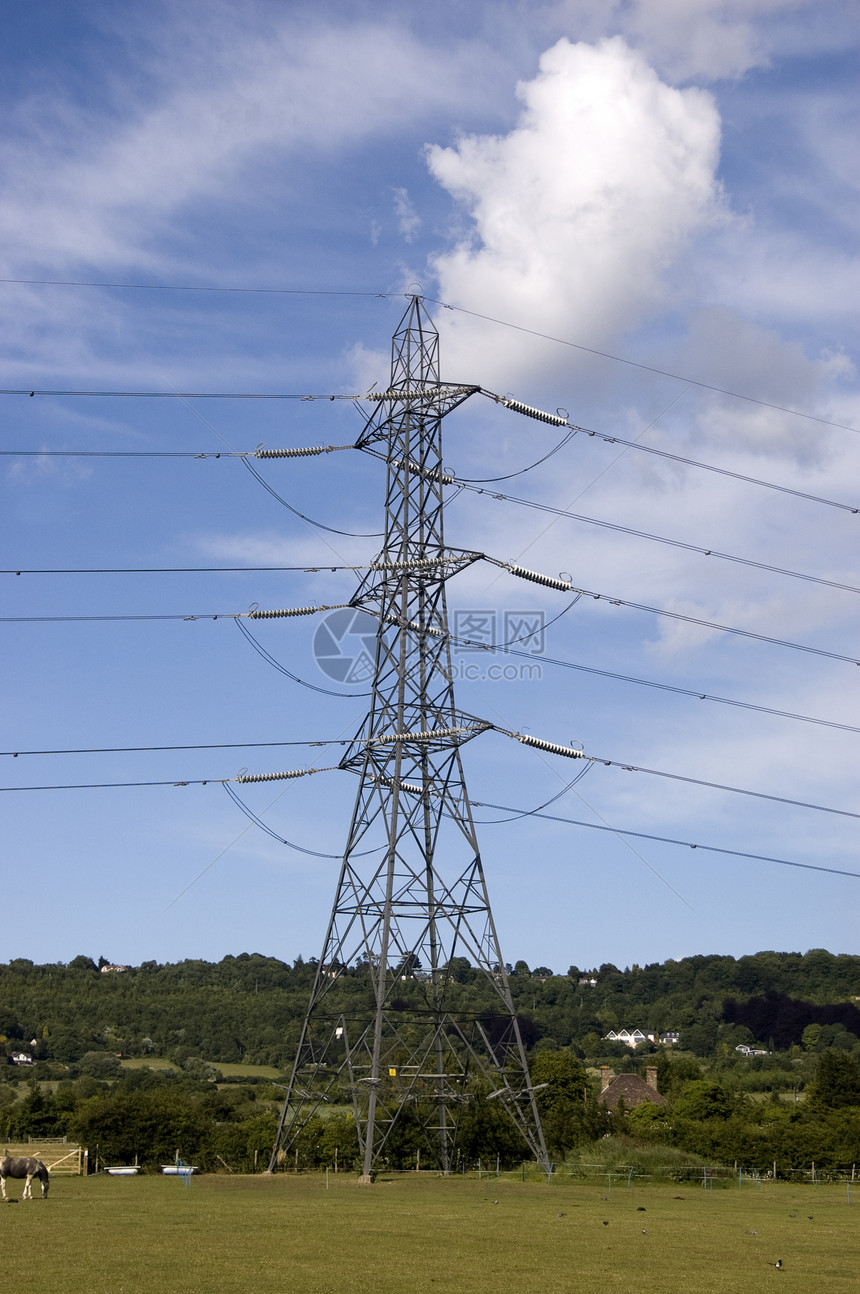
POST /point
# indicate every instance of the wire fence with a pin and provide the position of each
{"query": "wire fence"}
(705, 1176)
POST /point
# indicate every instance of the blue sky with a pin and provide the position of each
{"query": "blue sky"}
(669, 182)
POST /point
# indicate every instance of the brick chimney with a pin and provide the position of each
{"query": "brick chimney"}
(651, 1076)
(607, 1074)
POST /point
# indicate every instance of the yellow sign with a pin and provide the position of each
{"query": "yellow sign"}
(392, 1073)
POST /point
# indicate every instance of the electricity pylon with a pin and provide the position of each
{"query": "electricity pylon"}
(411, 895)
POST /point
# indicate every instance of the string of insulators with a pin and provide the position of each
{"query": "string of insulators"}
(540, 414)
(416, 628)
(276, 777)
(308, 452)
(422, 561)
(551, 581)
(279, 614)
(432, 393)
(391, 783)
(551, 747)
(429, 473)
(436, 734)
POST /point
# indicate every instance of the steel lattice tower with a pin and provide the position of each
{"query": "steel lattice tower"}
(411, 893)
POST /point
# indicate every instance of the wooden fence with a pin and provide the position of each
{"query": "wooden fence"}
(57, 1154)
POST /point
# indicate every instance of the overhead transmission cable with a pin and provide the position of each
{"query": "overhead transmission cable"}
(282, 669)
(661, 539)
(608, 598)
(470, 644)
(282, 840)
(541, 416)
(384, 296)
(648, 368)
(473, 727)
(145, 750)
(263, 452)
(537, 813)
(664, 840)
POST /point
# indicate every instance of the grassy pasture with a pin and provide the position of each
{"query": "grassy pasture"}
(229, 1069)
(226, 1235)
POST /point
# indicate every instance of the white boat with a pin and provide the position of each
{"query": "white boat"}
(128, 1170)
(178, 1170)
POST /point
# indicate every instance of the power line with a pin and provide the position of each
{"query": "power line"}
(679, 691)
(664, 840)
(138, 750)
(319, 525)
(720, 786)
(536, 813)
(648, 368)
(17, 620)
(183, 287)
(245, 455)
(709, 467)
(291, 844)
(282, 669)
(711, 624)
(170, 570)
(502, 648)
(659, 539)
(608, 598)
(591, 759)
(115, 453)
(385, 296)
(175, 395)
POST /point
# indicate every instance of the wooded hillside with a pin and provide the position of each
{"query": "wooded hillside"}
(249, 1008)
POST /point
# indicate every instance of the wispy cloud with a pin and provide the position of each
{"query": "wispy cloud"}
(408, 219)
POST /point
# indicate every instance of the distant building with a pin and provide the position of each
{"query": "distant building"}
(629, 1088)
(750, 1051)
(20, 1058)
(106, 970)
(630, 1037)
(636, 1037)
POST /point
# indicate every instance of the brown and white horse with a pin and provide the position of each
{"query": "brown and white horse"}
(27, 1168)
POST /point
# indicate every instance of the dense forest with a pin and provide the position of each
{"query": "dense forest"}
(797, 1101)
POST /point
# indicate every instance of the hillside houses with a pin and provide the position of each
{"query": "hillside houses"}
(636, 1037)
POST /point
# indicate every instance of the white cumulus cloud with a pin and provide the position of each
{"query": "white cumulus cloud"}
(577, 213)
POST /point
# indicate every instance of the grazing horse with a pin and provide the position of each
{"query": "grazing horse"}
(27, 1168)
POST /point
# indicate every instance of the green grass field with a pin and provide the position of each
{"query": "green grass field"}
(231, 1235)
(227, 1068)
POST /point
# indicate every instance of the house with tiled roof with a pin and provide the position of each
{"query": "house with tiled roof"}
(629, 1088)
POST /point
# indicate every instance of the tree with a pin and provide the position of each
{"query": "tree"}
(837, 1081)
(146, 1125)
(562, 1099)
(82, 963)
(703, 1099)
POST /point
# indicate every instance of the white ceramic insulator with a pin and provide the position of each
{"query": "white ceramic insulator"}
(550, 746)
(274, 777)
(551, 581)
(429, 474)
(287, 611)
(540, 414)
(291, 453)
